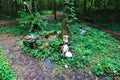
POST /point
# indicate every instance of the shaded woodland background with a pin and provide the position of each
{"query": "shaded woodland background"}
(89, 10)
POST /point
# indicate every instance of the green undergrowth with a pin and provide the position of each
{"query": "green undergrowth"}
(98, 50)
(18, 30)
(6, 73)
(46, 12)
(14, 30)
(94, 50)
(6, 17)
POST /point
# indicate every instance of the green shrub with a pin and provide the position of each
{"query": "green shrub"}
(31, 20)
(43, 51)
(14, 30)
(94, 48)
(108, 66)
(6, 73)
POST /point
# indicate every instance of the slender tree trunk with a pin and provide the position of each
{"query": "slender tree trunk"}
(16, 6)
(66, 25)
(85, 8)
(55, 16)
(34, 7)
(5, 7)
(1, 8)
(91, 4)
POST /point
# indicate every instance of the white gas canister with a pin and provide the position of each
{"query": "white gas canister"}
(68, 54)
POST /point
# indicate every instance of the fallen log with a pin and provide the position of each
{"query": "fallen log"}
(8, 23)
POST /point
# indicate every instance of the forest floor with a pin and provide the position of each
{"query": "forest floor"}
(8, 22)
(112, 33)
(28, 68)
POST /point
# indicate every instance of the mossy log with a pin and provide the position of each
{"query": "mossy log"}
(47, 33)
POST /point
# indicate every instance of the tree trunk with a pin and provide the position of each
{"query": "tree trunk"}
(34, 7)
(55, 17)
(85, 8)
(66, 30)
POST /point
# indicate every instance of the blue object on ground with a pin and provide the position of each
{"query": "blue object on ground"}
(48, 63)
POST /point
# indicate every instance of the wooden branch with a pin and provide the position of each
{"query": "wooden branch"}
(26, 6)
